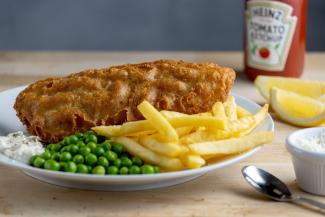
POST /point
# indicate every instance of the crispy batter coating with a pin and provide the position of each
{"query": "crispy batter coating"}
(57, 107)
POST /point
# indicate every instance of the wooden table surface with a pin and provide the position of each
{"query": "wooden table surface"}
(218, 193)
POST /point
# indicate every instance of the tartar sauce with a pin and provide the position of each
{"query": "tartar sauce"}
(19, 147)
(313, 143)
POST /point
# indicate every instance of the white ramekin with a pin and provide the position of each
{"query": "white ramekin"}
(309, 166)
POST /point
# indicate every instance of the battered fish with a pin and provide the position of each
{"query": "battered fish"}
(57, 107)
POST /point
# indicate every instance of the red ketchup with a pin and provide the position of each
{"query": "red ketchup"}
(275, 37)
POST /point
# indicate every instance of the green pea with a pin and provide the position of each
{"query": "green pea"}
(56, 147)
(126, 162)
(46, 155)
(78, 159)
(156, 169)
(31, 160)
(90, 168)
(66, 148)
(74, 149)
(79, 135)
(80, 144)
(38, 162)
(137, 161)
(147, 169)
(112, 170)
(117, 163)
(82, 168)
(62, 165)
(135, 170)
(66, 140)
(99, 151)
(106, 146)
(91, 138)
(84, 150)
(73, 139)
(117, 148)
(91, 159)
(111, 156)
(90, 132)
(99, 170)
(52, 165)
(124, 170)
(50, 147)
(56, 156)
(92, 146)
(103, 161)
(70, 167)
(65, 156)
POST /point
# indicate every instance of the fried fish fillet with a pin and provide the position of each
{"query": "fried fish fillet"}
(57, 107)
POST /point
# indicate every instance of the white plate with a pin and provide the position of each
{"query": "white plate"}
(10, 123)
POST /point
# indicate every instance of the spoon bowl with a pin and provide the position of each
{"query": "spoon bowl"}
(274, 188)
(266, 183)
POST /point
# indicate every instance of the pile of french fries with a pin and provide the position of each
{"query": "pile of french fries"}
(176, 141)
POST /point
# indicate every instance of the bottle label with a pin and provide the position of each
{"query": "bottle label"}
(269, 33)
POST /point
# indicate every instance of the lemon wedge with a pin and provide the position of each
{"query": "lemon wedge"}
(297, 109)
(314, 89)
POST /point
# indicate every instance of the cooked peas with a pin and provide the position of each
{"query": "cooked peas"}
(82, 168)
(112, 170)
(124, 170)
(79, 135)
(91, 138)
(38, 162)
(156, 169)
(56, 156)
(66, 141)
(135, 170)
(65, 156)
(91, 159)
(65, 148)
(72, 139)
(56, 147)
(99, 151)
(106, 146)
(74, 149)
(88, 153)
(52, 165)
(110, 155)
(137, 161)
(90, 168)
(99, 170)
(63, 165)
(70, 167)
(117, 163)
(103, 161)
(46, 155)
(91, 145)
(117, 148)
(31, 160)
(78, 159)
(147, 169)
(84, 150)
(80, 144)
(50, 147)
(126, 162)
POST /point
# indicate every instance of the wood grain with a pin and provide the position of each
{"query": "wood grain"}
(219, 193)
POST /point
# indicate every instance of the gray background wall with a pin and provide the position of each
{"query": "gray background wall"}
(134, 24)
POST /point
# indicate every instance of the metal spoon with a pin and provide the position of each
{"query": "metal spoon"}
(275, 189)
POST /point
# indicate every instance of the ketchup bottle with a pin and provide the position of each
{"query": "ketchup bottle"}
(275, 37)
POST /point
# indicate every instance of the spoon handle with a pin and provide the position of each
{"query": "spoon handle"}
(309, 203)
